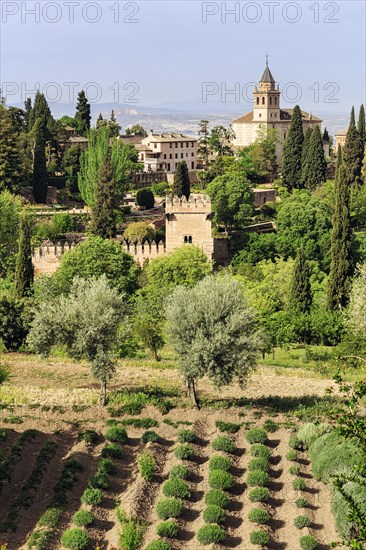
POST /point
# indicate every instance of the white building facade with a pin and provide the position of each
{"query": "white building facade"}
(162, 152)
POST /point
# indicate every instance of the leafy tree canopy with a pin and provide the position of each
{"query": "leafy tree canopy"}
(232, 200)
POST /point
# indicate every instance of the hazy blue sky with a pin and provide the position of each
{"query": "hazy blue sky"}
(169, 51)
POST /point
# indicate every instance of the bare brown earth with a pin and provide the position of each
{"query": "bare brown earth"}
(45, 393)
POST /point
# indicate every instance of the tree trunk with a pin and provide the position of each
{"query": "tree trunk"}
(191, 388)
(273, 352)
(103, 392)
(156, 355)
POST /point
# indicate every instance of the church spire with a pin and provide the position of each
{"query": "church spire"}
(267, 59)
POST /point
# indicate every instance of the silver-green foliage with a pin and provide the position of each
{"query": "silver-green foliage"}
(213, 330)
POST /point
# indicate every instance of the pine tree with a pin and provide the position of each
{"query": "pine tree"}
(40, 179)
(10, 154)
(341, 254)
(361, 125)
(315, 169)
(104, 209)
(292, 152)
(113, 126)
(353, 153)
(24, 268)
(82, 115)
(300, 293)
(325, 135)
(181, 184)
(304, 155)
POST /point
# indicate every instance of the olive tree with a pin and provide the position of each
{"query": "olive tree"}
(356, 317)
(85, 322)
(213, 331)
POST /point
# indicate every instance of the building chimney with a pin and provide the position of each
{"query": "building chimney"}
(151, 131)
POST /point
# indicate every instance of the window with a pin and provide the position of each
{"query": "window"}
(270, 100)
(284, 135)
(155, 145)
(188, 239)
(182, 155)
(271, 115)
(182, 144)
(187, 144)
(192, 154)
(176, 145)
(170, 156)
(142, 156)
(263, 100)
(260, 115)
(275, 100)
(170, 145)
(257, 100)
(192, 165)
(168, 166)
(176, 155)
(186, 154)
(164, 155)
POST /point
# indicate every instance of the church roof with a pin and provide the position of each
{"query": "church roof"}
(267, 76)
(285, 115)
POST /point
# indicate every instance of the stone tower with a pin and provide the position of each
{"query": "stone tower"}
(266, 99)
(189, 222)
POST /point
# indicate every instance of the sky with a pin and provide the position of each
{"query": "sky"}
(167, 53)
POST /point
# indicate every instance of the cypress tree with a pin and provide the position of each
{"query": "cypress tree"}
(339, 159)
(181, 184)
(353, 153)
(24, 268)
(361, 125)
(325, 135)
(292, 152)
(104, 208)
(41, 113)
(82, 115)
(203, 145)
(40, 179)
(315, 169)
(28, 110)
(341, 265)
(304, 155)
(300, 293)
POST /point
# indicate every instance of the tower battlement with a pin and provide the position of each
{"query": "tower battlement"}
(197, 203)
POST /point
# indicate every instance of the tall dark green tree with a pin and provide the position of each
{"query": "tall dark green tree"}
(353, 153)
(315, 168)
(181, 184)
(28, 110)
(339, 158)
(24, 268)
(82, 115)
(361, 125)
(10, 154)
(304, 155)
(104, 209)
(41, 114)
(39, 179)
(292, 152)
(325, 135)
(341, 256)
(203, 141)
(300, 291)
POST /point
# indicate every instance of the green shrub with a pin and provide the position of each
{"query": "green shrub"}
(100, 480)
(295, 443)
(209, 534)
(270, 426)
(184, 452)
(259, 463)
(107, 465)
(145, 423)
(342, 511)
(168, 529)
(89, 436)
(169, 508)
(332, 454)
(147, 466)
(92, 496)
(176, 487)
(309, 432)
(228, 427)
(294, 470)
(257, 478)
(132, 534)
(145, 197)
(260, 451)
(301, 503)
(257, 515)
(50, 517)
(83, 518)
(292, 456)
(298, 484)
(259, 538)
(223, 443)
(179, 471)
(186, 436)
(159, 545)
(219, 479)
(218, 462)
(116, 434)
(308, 543)
(214, 514)
(39, 539)
(113, 450)
(75, 539)
(256, 435)
(151, 436)
(216, 497)
(259, 494)
(301, 521)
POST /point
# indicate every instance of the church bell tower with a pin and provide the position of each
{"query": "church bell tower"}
(266, 99)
